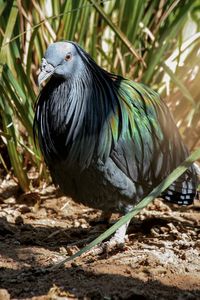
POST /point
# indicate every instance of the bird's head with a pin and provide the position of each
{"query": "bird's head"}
(61, 59)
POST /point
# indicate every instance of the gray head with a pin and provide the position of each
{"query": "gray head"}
(61, 59)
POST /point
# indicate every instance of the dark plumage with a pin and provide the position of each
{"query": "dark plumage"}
(107, 141)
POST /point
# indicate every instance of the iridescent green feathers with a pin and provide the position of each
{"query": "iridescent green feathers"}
(149, 137)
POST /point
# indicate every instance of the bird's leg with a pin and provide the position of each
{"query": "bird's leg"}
(117, 240)
(119, 237)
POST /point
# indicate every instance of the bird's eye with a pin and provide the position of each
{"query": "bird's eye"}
(68, 57)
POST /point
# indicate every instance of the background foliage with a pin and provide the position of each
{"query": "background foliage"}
(156, 42)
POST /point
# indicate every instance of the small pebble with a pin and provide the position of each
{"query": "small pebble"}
(4, 295)
(197, 244)
(24, 209)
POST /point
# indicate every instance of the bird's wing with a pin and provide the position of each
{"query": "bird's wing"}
(149, 146)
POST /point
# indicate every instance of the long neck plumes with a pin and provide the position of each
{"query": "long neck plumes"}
(74, 116)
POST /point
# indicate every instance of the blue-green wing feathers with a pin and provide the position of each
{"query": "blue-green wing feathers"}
(149, 146)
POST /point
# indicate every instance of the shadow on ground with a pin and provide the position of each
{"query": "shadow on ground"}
(81, 283)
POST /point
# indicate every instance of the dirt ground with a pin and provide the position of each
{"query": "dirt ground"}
(161, 260)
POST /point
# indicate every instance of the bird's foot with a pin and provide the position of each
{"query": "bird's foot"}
(116, 242)
(109, 246)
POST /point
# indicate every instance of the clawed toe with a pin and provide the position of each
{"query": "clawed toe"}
(108, 246)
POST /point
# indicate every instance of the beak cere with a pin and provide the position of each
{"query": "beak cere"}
(46, 71)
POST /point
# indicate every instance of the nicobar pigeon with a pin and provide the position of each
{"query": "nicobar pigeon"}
(108, 141)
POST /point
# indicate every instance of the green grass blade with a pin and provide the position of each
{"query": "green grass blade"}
(15, 84)
(25, 81)
(30, 52)
(3, 164)
(15, 157)
(4, 52)
(10, 25)
(117, 31)
(143, 203)
(23, 110)
(2, 6)
(157, 54)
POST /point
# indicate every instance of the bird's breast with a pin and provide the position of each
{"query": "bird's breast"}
(101, 185)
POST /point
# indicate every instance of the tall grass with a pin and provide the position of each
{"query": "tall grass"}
(155, 42)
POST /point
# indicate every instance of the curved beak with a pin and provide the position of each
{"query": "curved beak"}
(47, 71)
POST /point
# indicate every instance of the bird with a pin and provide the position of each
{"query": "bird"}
(107, 140)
